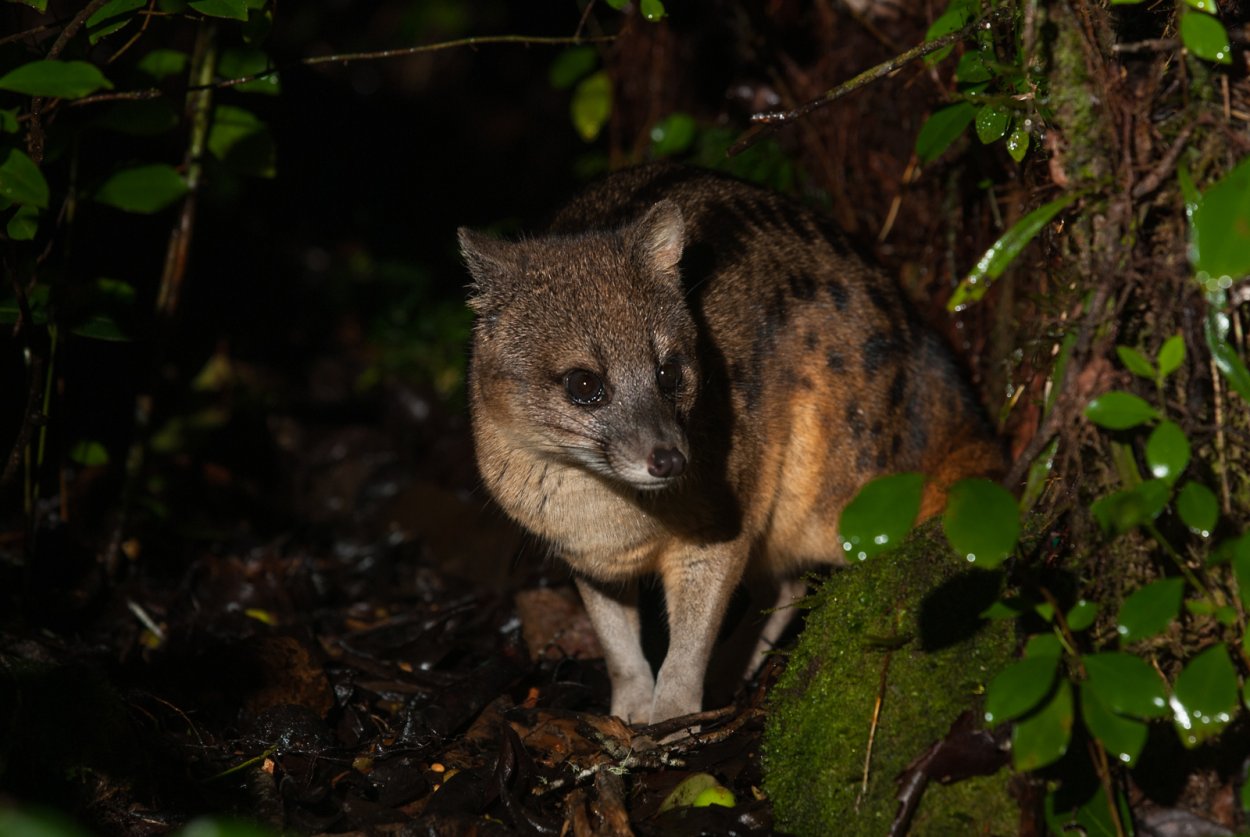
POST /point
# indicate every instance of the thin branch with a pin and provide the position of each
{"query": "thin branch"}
(34, 131)
(27, 33)
(768, 121)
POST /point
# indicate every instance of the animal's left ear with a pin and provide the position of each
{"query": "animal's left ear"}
(491, 264)
(659, 237)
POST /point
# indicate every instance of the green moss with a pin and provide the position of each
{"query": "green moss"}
(908, 620)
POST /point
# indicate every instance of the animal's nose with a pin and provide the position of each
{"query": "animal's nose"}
(666, 462)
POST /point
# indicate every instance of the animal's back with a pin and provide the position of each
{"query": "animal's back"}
(816, 375)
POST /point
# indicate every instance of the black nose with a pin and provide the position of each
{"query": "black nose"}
(666, 462)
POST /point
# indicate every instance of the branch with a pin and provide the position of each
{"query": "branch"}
(768, 121)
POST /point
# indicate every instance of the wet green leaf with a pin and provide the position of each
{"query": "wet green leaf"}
(1003, 252)
(142, 189)
(652, 10)
(1171, 355)
(1241, 567)
(881, 514)
(1124, 511)
(1204, 697)
(1197, 506)
(229, 9)
(958, 14)
(160, 63)
(1123, 737)
(591, 105)
(672, 135)
(52, 78)
(1225, 356)
(21, 182)
(1167, 451)
(239, 139)
(1081, 615)
(694, 788)
(1135, 362)
(571, 66)
(24, 223)
(941, 129)
(991, 122)
(1018, 144)
(1207, 6)
(89, 453)
(1150, 609)
(1205, 37)
(1043, 645)
(1221, 222)
(981, 521)
(1091, 818)
(243, 62)
(1019, 688)
(1117, 410)
(1042, 738)
(1126, 684)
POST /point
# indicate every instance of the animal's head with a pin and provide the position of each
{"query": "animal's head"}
(584, 347)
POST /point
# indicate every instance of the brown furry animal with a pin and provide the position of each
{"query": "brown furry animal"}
(690, 376)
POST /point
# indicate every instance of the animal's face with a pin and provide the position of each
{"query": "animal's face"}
(584, 348)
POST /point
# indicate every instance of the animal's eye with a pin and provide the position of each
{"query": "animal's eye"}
(668, 377)
(583, 387)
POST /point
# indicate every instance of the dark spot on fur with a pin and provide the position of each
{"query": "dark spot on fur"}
(806, 383)
(879, 300)
(896, 444)
(834, 360)
(802, 286)
(853, 419)
(882, 460)
(879, 349)
(897, 387)
(875, 430)
(811, 340)
(838, 293)
(863, 459)
(832, 237)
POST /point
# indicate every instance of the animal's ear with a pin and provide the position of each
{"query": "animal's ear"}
(490, 262)
(659, 237)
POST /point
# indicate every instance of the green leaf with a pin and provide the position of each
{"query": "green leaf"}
(21, 182)
(1205, 37)
(112, 9)
(1043, 645)
(1042, 738)
(56, 79)
(1081, 615)
(8, 121)
(591, 105)
(142, 189)
(1167, 451)
(160, 63)
(943, 128)
(1221, 222)
(1118, 410)
(1215, 328)
(1171, 355)
(143, 118)
(652, 10)
(1124, 511)
(1019, 688)
(571, 65)
(230, 9)
(692, 788)
(957, 15)
(1150, 609)
(1135, 362)
(991, 122)
(972, 69)
(249, 61)
(1123, 737)
(89, 453)
(672, 135)
(1204, 697)
(39, 6)
(881, 514)
(1241, 567)
(24, 223)
(1126, 684)
(1197, 506)
(1003, 252)
(981, 521)
(1018, 144)
(239, 139)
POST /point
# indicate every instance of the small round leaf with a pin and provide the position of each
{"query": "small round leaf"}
(1042, 738)
(1123, 737)
(1205, 37)
(143, 189)
(1126, 684)
(982, 521)
(1167, 451)
(1135, 362)
(1118, 410)
(1171, 355)
(1204, 697)
(1149, 610)
(1197, 506)
(1019, 688)
(881, 514)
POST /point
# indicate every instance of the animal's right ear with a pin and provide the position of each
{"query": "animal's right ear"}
(490, 261)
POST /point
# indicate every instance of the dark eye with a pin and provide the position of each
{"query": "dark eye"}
(583, 387)
(668, 377)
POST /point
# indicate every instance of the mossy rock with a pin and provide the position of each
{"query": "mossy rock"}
(919, 608)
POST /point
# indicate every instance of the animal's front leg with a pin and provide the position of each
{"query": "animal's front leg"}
(697, 585)
(615, 617)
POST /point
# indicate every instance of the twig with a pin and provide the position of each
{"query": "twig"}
(1165, 167)
(872, 730)
(34, 131)
(28, 33)
(768, 121)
